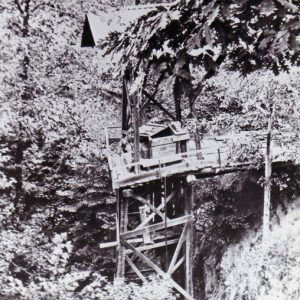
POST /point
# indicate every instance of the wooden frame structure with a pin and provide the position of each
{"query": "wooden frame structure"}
(155, 196)
(155, 200)
(155, 222)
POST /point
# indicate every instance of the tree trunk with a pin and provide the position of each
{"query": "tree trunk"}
(177, 98)
(267, 185)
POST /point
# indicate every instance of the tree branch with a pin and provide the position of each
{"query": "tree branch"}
(19, 6)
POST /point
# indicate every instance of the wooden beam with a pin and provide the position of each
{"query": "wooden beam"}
(144, 105)
(177, 97)
(178, 264)
(124, 106)
(136, 125)
(136, 240)
(157, 226)
(152, 265)
(158, 104)
(146, 234)
(123, 219)
(189, 249)
(177, 250)
(160, 207)
(136, 270)
(191, 179)
(127, 193)
(106, 139)
(198, 144)
(154, 246)
(144, 201)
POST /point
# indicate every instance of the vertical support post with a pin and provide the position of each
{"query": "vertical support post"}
(136, 129)
(123, 221)
(198, 144)
(268, 181)
(136, 137)
(106, 139)
(165, 220)
(124, 106)
(219, 157)
(177, 98)
(189, 247)
(143, 216)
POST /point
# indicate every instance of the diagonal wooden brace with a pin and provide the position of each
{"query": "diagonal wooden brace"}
(177, 250)
(144, 201)
(159, 208)
(135, 269)
(157, 226)
(152, 265)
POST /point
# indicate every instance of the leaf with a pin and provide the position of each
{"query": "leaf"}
(289, 5)
(208, 8)
(213, 16)
(267, 7)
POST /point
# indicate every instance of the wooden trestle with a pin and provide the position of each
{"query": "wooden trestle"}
(155, 196)
(155, 230)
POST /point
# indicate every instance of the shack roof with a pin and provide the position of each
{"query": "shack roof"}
(149, 130)
(156, 130)
(98, 27)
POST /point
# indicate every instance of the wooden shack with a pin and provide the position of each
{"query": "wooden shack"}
(163, 140)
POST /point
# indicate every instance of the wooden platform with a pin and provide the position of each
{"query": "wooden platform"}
(218, 155)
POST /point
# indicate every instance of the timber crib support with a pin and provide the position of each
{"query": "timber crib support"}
(155, 229)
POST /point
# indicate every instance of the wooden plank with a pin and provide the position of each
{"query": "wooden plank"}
(161, 141)
(117, 231)
(164, 150)
(158, 104)
(106, 139)
(162, 160)
(157, 226)
(178, 264)
(172, 158)
(189, 249)
(123, 219)
(136, 131)
(198, 145)
(137, 240)
(136, 270)
(152, 265)
(169, 139)
(160, 207)
(146, 234)
(124, 106)
(181, 137)
(154, 246)
(144, 201)
(115, 243)
(153, 175)
(177, 250)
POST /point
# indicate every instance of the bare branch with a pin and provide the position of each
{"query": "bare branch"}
(19, 6)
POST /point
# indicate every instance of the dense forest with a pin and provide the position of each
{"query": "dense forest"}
(227, 66)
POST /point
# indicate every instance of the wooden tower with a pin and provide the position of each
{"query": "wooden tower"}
(154, 217)
(154, 181)
(154, 221)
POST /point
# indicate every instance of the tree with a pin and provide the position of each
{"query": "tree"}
(164, 45)
(52, 165)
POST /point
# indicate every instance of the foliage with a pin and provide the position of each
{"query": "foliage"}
(249, 271)
(156, 288)
(227, 207)
(251, 35)
(56, 203)
(53, 170)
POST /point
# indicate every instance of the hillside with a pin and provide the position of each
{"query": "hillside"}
(252, 270)
(57, 204)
